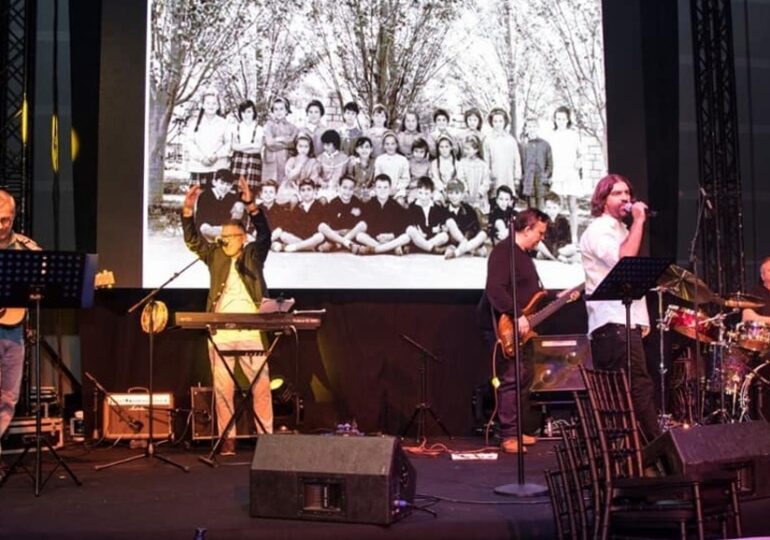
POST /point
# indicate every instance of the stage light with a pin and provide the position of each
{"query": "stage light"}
(287, 403)
(283, 392)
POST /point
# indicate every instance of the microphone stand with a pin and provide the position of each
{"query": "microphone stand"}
(149, 300)
(423, 408)
(521, 488)
(693, 258)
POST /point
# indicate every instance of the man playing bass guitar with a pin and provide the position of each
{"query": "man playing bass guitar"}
(529, 227)
(11, 321)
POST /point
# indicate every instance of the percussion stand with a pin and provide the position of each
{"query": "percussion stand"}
(662, 329)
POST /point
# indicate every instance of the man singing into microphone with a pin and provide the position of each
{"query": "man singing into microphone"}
(607, 240)
(11, 331)
(236, 286)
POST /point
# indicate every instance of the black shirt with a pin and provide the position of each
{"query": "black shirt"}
(212, 210)
(384, 218)
(304, 223)
(276, 215)
(497, 292)
(466, 218)
(557, 235)
(340, 215)
(505, 215)
(429, 224)
(762, 291)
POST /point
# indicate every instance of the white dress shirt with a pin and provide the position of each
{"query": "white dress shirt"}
(600, 249)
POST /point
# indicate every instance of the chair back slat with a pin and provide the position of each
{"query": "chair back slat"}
(619, 437)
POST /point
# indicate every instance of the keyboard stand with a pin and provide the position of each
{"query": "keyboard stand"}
(210, 460)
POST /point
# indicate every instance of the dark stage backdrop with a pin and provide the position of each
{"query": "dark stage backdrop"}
(357, 365)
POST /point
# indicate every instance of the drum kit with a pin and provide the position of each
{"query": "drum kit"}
(726, 377)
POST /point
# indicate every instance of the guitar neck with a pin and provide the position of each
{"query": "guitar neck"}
(552, 308)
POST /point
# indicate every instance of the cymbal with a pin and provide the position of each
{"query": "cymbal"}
(742, 301)
(683, 284)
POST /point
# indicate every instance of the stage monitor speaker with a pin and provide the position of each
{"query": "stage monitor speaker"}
(331, 478)
(556, 362)
(740, 448)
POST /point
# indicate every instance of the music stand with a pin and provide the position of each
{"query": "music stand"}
(51, 279)
(629, 280)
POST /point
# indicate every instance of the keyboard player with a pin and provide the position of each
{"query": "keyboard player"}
(236, 285)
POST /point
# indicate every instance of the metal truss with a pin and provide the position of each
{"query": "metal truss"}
(16, 47)
(718, 158)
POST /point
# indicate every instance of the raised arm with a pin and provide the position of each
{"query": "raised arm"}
(192, 238)
(258, 220)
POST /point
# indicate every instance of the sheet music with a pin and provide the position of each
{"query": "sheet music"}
(273, 305)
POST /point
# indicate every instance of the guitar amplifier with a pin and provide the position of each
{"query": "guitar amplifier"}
(126, 416)
(556, 362)
(21, 432)
(204, 416)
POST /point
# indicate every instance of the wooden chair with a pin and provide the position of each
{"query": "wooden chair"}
(563, 517)
(626, 500)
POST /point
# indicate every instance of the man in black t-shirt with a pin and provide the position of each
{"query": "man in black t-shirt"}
(762, 291)
(529, 226)
(342, 220)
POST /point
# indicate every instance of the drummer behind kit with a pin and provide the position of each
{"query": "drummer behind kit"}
(735, 368)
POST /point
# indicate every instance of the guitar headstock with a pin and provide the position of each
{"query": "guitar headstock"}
(104, 280)
(574, 293)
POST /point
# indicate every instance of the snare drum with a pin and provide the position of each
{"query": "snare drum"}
(684, 321)
(753, 336)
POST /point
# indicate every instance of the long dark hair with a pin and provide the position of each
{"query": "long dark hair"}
(603, 190)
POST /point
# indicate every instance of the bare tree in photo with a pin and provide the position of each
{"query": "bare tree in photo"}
(380, 51)
(569, 35)
(271, 61)
(190, 39)
(512, 76)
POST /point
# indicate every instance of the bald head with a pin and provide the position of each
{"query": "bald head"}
(6, 199)
(7, 215)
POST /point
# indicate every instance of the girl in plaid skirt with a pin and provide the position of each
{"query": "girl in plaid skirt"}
(246, 142)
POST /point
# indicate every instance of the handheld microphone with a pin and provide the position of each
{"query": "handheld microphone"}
(649, 212)
(221, 242)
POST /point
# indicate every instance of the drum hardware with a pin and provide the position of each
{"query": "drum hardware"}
(689, 287)
(740, 300)
(744, 397)
(662, 329)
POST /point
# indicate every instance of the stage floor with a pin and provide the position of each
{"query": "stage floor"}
(149, 499)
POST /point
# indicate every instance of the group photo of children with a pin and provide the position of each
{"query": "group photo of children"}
(387, 188)
(437, 177)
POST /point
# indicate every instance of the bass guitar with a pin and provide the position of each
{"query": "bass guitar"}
(505, 326)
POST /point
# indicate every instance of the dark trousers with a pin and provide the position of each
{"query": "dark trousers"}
(506, 392)
(608, 348)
